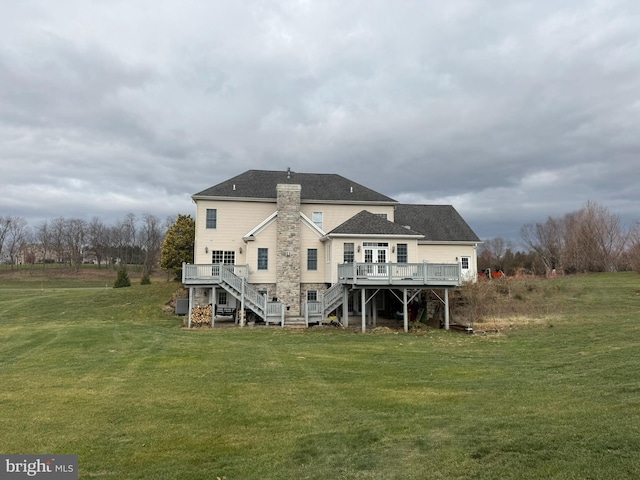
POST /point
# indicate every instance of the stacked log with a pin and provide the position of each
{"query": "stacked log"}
(201, 316)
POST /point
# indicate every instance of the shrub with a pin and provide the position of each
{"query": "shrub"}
(145, 280)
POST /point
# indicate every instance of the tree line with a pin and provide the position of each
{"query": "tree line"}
(591, 239)
(73, 241)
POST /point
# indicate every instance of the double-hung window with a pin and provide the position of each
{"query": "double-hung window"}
(348, 255)
(402, 253)
(316, 217)
(263, 258)
(212, 218)
(312, 259)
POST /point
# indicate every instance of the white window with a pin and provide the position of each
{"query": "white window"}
(228, 257)
(222, 298)
(348, 255)
(402, 253)
(316, 217)
(212, 218)
(312, 259)
(263, 259)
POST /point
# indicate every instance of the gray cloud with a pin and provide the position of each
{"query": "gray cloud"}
(511, 111)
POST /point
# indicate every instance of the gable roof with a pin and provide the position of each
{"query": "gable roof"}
(438, 223)
(367, 223)
(323, 187)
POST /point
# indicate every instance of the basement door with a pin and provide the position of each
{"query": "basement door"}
(376, 253)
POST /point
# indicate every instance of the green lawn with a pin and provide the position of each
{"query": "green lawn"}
(107, 375)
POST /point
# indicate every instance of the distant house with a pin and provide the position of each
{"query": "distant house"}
(287, 245)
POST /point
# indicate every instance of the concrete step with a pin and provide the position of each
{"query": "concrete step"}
(294, 322)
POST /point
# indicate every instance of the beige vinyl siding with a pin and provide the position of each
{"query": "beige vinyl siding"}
(450, 254)
(334, 215)
(234, 220)
(266, 239)
(444, 253)
(309, 239)
(412, 250)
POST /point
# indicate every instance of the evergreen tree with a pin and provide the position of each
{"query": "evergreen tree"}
(123, 277)
(178, 245)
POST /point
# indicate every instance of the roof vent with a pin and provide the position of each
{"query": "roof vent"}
(288, 172)
(350, 189)
(408, 227)
(234, 186)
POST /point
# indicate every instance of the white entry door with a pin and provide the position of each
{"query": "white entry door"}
(465, 268)
(376, 253)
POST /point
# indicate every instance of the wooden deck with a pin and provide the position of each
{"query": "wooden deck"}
(355, 274)
(400, 274)
(210, 274)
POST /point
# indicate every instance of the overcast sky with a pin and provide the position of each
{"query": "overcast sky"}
(511, 111)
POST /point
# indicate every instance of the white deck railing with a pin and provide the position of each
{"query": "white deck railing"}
(208, 272)
(394, 273)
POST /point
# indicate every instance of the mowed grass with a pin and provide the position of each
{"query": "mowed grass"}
(107, 375)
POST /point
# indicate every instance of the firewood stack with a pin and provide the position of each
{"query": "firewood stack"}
(201, 316)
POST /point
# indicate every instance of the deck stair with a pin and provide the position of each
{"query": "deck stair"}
(328, 301)
(269, 312)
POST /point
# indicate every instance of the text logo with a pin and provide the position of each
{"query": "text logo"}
(46, 467)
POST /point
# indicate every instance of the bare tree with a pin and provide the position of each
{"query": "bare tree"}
(5, 222)
(118, 243)
(98, 240)
(579, 250)
(150, 240)
(546, 240)
(611, 238)
(42, 235)
(493, 251)
(16, 237)
(75, 240)
(129, 236)
(595, 240)
(633, 253)
(57, 234)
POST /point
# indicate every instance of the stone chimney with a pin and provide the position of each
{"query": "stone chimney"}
(288, 247)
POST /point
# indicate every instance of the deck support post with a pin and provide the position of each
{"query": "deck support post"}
(446, 309)
(212, 301)
(190, 305)
(374, 310)
(345, 306)
(405, 312)
(241, 313)
(363, 308)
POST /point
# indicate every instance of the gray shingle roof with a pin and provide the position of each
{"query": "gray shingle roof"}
(367, 223)
(438, 223)
(315, 186)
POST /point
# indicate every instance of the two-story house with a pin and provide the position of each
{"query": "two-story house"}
(287, 245)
